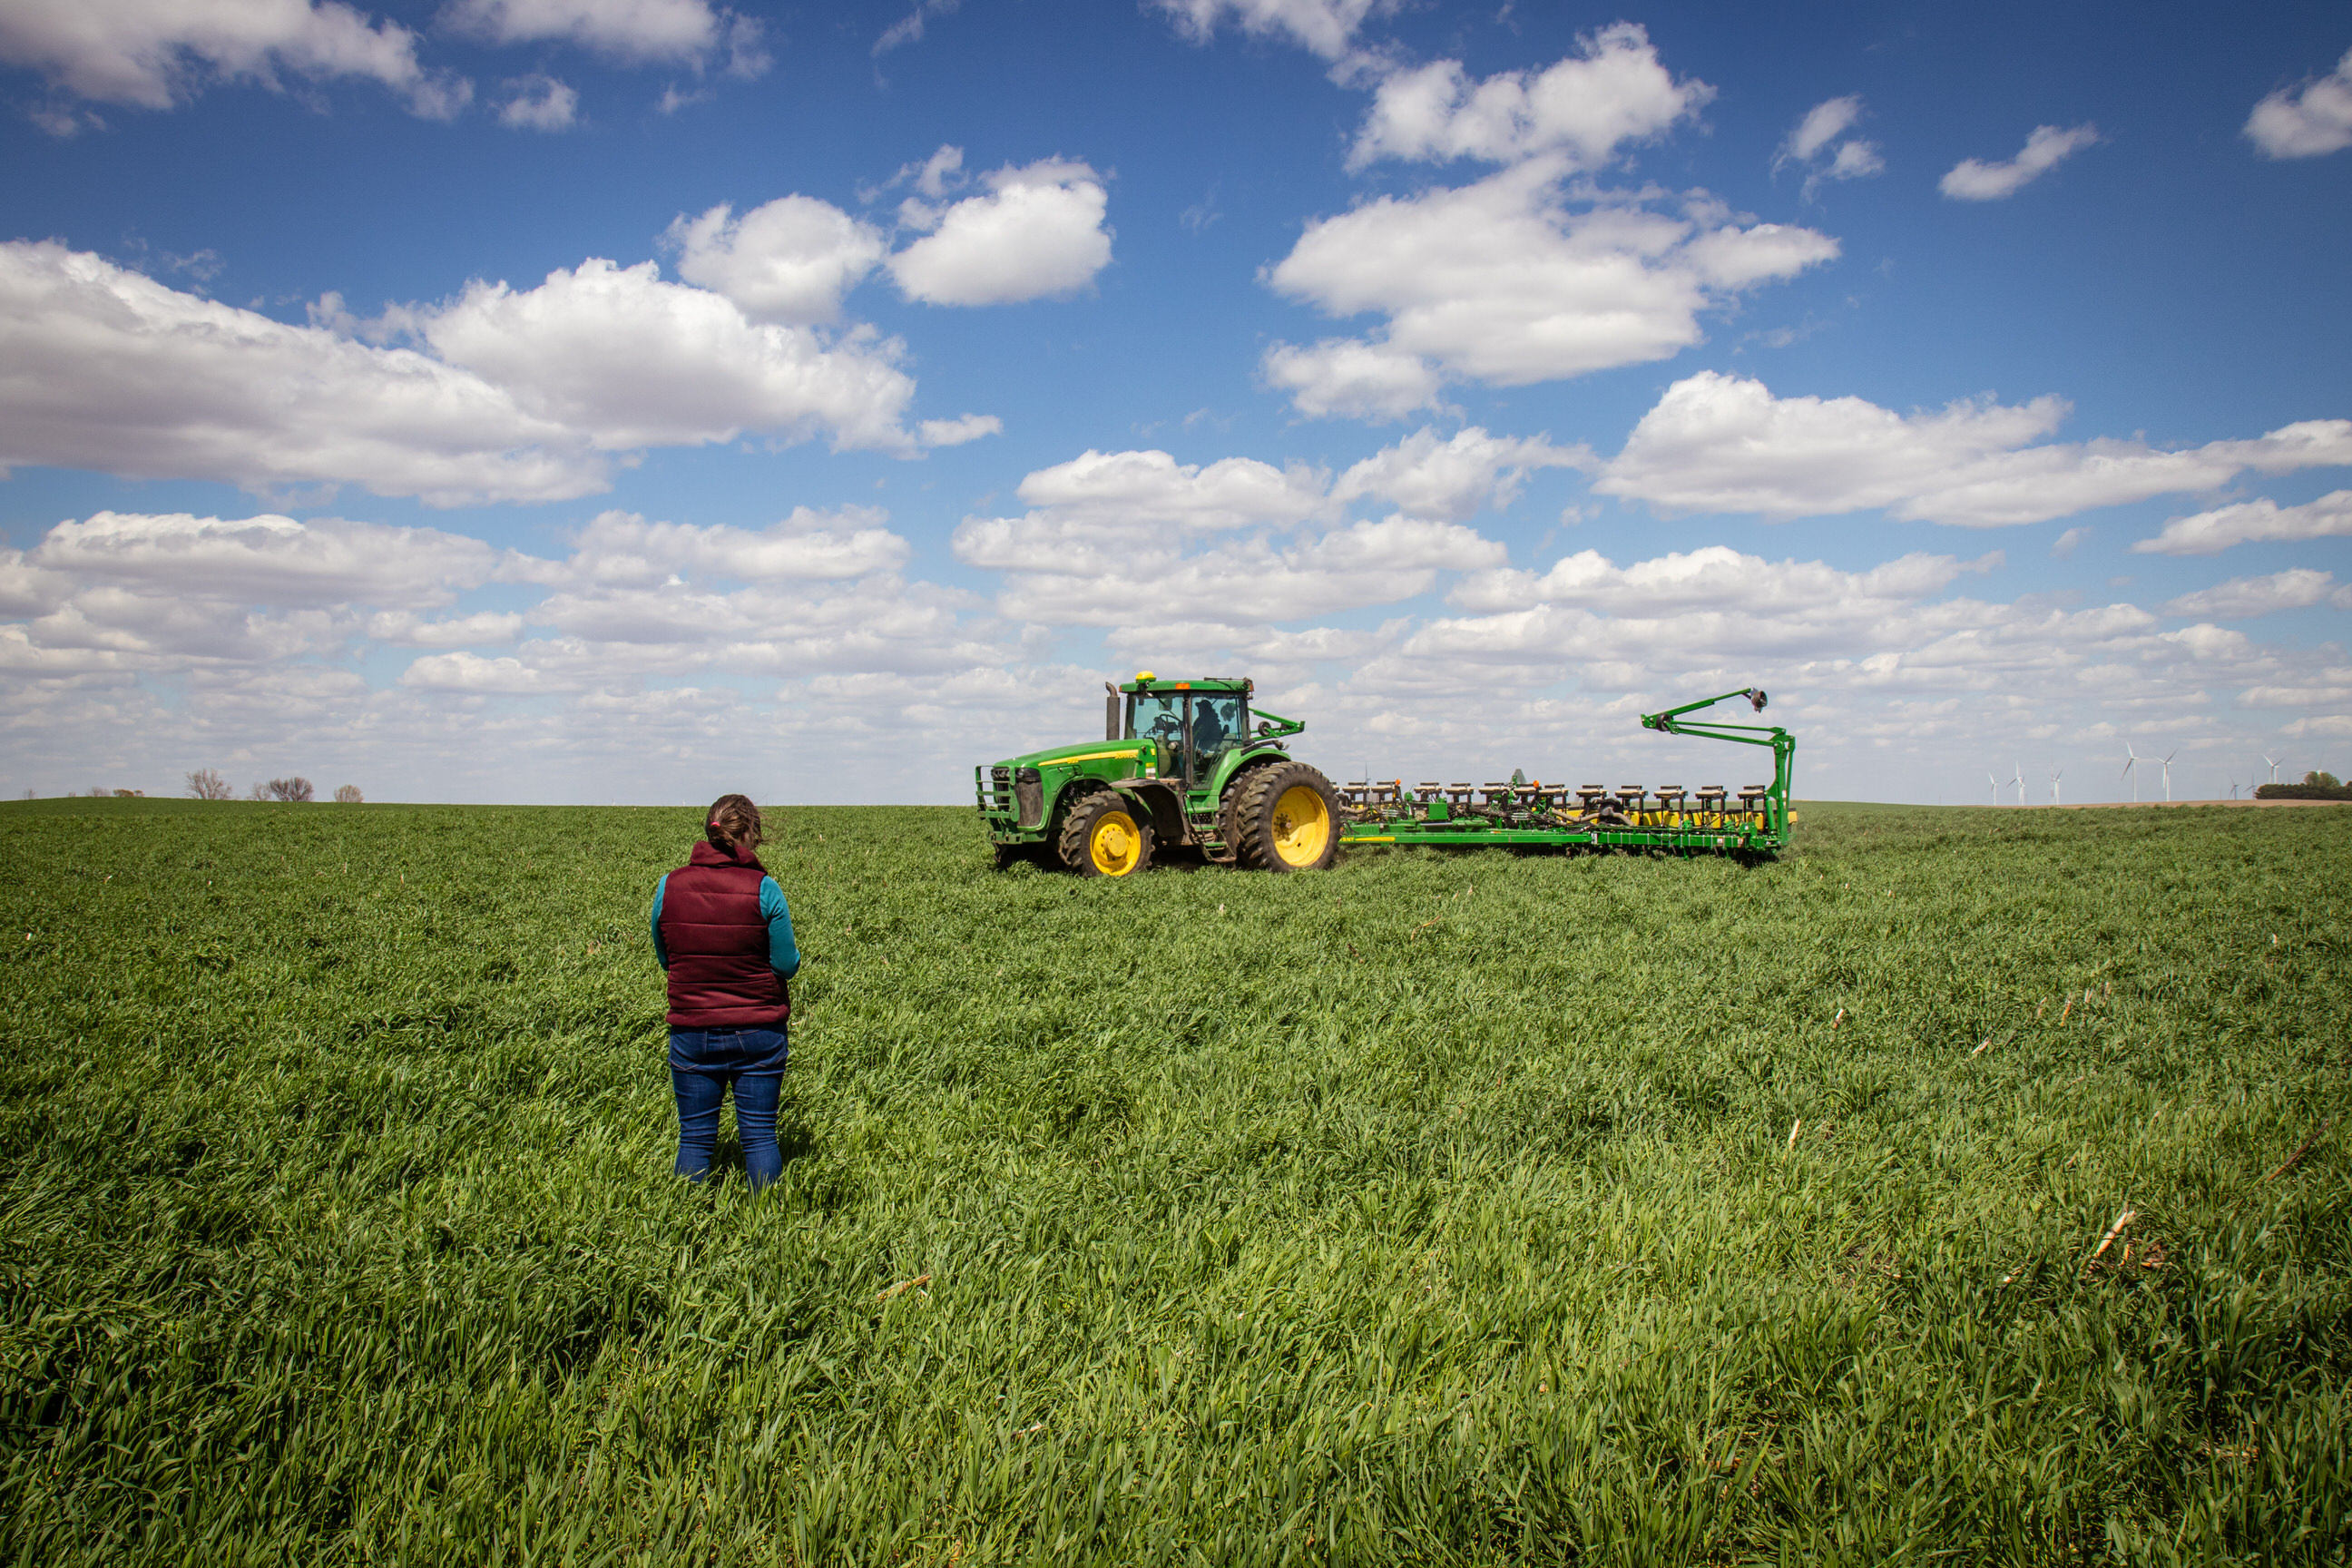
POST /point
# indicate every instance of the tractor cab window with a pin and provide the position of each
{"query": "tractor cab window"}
(1157, 717)
(1216, 724)
(1197, 726)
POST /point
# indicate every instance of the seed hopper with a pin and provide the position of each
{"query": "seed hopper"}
(1705, 819)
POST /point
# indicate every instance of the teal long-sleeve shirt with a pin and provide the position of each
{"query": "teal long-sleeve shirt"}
(783, 954)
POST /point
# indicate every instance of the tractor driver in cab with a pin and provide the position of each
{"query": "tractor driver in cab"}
(1214, 719)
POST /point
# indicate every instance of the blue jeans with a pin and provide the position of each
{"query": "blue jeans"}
(703, 1062)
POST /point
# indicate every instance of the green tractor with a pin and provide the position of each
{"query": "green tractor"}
(1181, 763)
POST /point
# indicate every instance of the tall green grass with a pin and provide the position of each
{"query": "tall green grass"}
(1437, 1209)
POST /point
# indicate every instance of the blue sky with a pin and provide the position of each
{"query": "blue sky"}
(585, 400)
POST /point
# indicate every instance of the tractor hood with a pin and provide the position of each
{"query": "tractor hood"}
(1130, 754)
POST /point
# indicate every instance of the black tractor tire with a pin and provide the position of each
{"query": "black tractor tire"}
(1273, 827)
(1103, 836)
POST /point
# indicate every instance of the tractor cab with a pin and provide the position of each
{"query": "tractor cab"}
(1194, 723)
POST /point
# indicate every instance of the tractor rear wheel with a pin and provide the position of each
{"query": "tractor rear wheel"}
(1285, 819)
(1102, 838)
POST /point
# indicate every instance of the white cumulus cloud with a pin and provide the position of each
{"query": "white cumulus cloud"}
(1348, 377)
(2313, 118)
(633, 361)
(622, 549)
(104, 368)
(540, 103)
(2242, 598)
(472, 675)
(1822, 124)
(2254, 521)
(1511, 280)
(1612, 90)
(1141, 580)
(1142, 543)
(1716, 577)
(791, 259)
(1038, 231)
(957, 432)
(1454, 478)
(514, 394)
(1115, 492)
(1823, 131)
(687, 32)
(1717, 443)
(1326, 28)
(267, 559)
(175, 593)
(483, 629)
(155, 56)
(1973, 179)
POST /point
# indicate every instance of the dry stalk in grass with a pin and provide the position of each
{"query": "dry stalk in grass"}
(1839, 1019)
(2304, 1148)
(2066, 1011)
(1983, 1047)
(2108, 1240)
(1800, 1121)
(917, 1283)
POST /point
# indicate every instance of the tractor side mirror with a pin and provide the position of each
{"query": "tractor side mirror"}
(1756, 696)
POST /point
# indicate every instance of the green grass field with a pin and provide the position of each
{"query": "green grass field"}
(1431, 1210)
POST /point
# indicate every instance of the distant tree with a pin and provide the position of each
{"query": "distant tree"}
(100, 792)
(295, 788)
(2324, 780)
(129, 793)
(348, 794)
(206, 784)
(259, 791)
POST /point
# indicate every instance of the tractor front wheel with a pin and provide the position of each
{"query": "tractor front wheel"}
(1101, 838)
(1285, 819)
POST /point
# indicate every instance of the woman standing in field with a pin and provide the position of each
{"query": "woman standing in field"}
(722, 930)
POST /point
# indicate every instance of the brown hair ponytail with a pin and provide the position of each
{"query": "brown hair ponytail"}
(732, 822)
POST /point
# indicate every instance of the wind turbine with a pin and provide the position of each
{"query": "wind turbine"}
(2019, 779)
(2234, 789)
(2274, 768)
(1996, 787)
(2166, 765)
(2132, 761)
(2055, 774)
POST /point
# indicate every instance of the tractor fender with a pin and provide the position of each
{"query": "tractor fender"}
(1159, 803)
(1145, 807)
(1073, 791)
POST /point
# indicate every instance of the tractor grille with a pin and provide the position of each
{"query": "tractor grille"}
(996, 794)
(1017, 793)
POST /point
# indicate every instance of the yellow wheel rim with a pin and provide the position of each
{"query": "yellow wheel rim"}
(1302, 826)
(1113, 843)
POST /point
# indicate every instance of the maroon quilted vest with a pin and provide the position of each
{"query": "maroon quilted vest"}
(718, 973)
